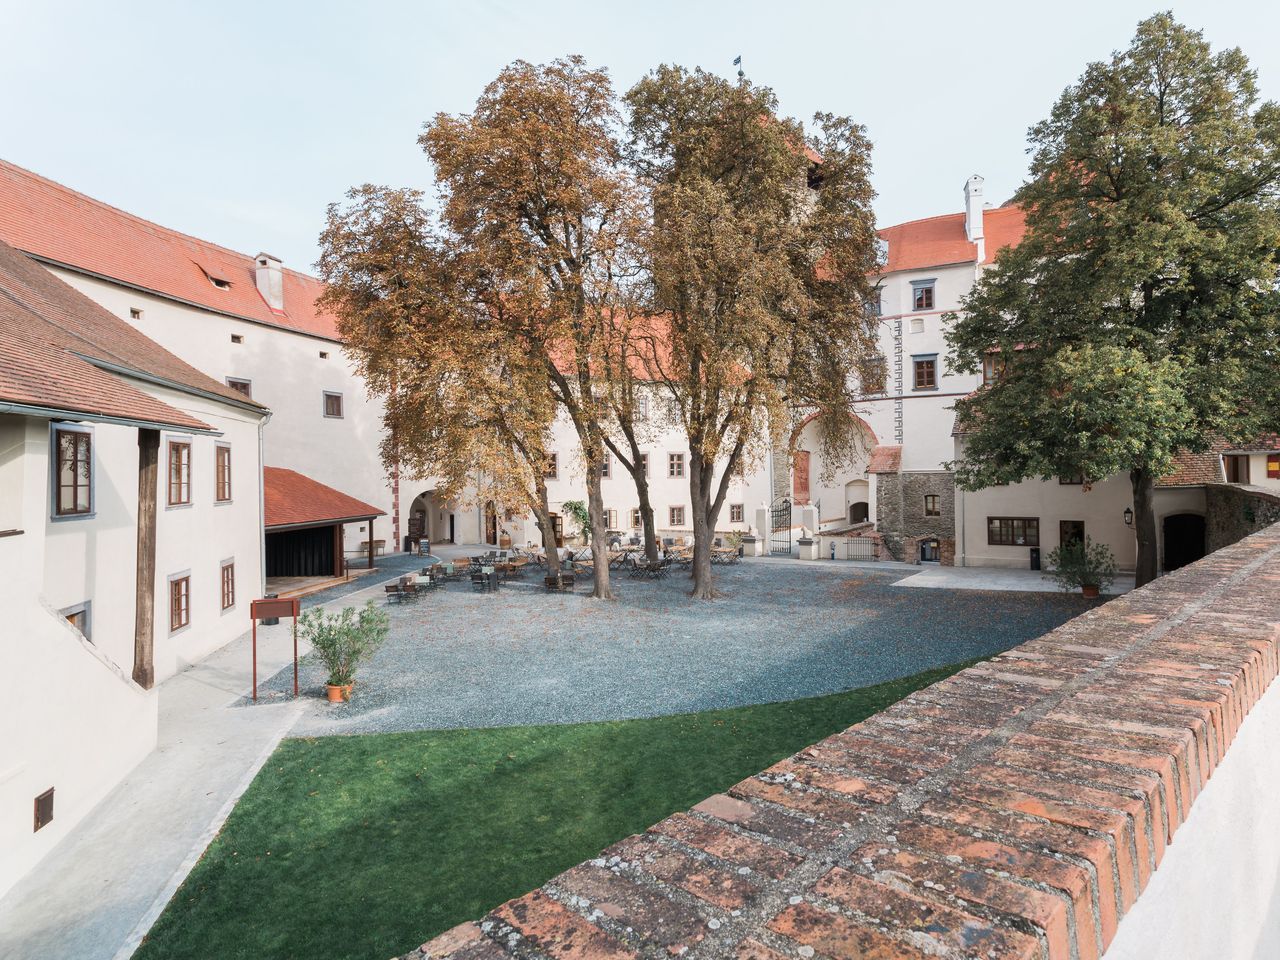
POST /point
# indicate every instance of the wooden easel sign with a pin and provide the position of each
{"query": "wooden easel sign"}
(266, 610)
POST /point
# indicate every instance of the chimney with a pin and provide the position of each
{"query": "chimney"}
(269, 276)
(973, 208)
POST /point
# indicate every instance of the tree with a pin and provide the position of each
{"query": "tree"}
(422, 317)
(533, 186)
(761, 246)
(1137, 316)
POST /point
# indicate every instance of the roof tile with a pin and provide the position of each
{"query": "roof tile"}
(292, 499)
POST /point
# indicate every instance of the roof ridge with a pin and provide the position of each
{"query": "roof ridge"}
(907, 223)
(173, 232)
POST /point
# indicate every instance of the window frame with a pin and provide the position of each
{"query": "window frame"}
(55, 472)
(1236, 459)
(235, 383)
(223, 568)
(326, 396)
(993, 367)
(934, 510)
(671, 516)
(921, 358)
(674, 459)
(1010, 540)
(610, 518)
(740, 511)
(553, 468)
(644, 461)
(169, 445)
(219, 480)
(637, 522)
(84, 609)
(605, 464)
(175, 579)
(920, 288)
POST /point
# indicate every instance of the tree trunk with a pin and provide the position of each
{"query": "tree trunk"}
(599, 533)
(704, 528)
(646, 518)
(542, 510)
(1144, 522)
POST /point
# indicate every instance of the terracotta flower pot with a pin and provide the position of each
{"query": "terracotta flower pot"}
(1089, 590)
(337, 692)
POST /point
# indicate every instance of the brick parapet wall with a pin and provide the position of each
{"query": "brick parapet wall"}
(1016, 809)
(1233, 511)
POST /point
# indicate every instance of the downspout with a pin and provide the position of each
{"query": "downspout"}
(262, 509)
(960, 555)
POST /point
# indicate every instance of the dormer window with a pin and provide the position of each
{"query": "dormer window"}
(220, 283)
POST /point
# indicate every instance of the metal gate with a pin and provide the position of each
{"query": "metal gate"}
(780, 532)
(860, 548)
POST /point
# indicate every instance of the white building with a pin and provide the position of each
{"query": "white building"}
(245, 321)
(130, 544)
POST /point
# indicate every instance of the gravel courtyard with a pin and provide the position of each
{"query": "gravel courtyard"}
(783, 630)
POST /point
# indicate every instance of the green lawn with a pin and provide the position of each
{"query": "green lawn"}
(366, 846)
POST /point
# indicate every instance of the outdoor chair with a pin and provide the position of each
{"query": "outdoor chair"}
(479, 582)
(394, 592)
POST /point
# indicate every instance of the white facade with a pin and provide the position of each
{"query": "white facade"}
(289, 372)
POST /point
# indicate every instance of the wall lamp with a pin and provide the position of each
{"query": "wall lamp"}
(1128, 516)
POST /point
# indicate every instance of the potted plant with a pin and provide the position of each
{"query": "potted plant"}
(343, 641)
(734, 539)
(1084, 564)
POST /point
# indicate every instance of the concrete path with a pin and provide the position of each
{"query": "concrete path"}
(994, 578)
(98, 892)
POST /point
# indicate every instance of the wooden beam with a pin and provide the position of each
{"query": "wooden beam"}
(371, 543)
(144, 670)
(337, 551)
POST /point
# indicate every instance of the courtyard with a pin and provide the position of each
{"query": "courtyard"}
(783, 630)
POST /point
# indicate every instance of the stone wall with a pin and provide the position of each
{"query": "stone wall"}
(900, 512)
(1233, 512)
(1019, 808)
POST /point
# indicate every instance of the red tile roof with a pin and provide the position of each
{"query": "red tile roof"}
(56, 223)
(293, 500)
(1193, 469)
(886, 458)
(52, 339)
(938, 241)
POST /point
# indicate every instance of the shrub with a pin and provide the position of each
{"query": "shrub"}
(1082, 563)
(344, 640)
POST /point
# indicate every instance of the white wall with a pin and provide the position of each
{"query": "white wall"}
(1217, 892)
(290, 378)
(72, 718)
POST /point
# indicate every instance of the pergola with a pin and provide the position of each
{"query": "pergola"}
(303, 524)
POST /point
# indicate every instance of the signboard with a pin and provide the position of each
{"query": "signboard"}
(271, 609)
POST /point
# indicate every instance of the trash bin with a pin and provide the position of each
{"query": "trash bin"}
(271, 621)
(1035, 558)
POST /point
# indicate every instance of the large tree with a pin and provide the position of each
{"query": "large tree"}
(1137, 316)
(761, 246)
(424, 319)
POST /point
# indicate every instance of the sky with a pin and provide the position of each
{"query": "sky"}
(240, 122)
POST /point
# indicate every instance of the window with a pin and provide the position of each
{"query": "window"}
(1237, 466)
(228, 584)
(220, 283)
(44, 809)
(735, 513)
(324, 354)
(222, 455)
(931, 508)
(635, 518)
(78, 617)
(553, 466)
(604, 466)
(611, 519)
(926, 372)
(73, 482)
(644, 464)
(179, 602)
(135, 313)
(1075, 480)
(1070, 531)
(917, 325)
(237, 338)
(642, 406)
(675, 516)
(992, 367)
(241, 386)
(1013, 531)
(922, 294)
(333, 405)
(1273, 466)
(179, 472)
(875, 306)
(675, 464)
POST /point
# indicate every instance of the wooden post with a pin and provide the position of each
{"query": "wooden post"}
(337, 550)
(371, 543)
(144, 670)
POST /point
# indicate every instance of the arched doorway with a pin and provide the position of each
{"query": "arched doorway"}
(859, 512)
(431, 520)
(1183, 540)
(490, 524)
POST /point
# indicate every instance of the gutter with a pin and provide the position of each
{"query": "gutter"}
(62, 413)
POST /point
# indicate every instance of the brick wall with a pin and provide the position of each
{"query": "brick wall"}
(1016, 809)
